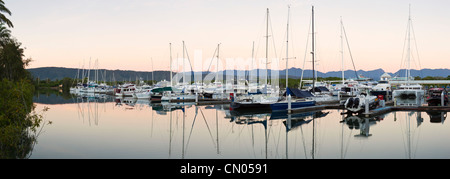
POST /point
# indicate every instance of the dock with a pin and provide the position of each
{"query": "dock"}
(387, 109)
(202, 101)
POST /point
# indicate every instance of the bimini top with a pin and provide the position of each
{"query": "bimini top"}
(321, 89)
(297, 93)
(160, 90)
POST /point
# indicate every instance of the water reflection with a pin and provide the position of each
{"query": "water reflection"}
(131, 128)
(361, 123)
(291, 122)
(437, 117)
(411, 132)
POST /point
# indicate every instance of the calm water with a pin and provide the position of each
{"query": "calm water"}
(115, 128)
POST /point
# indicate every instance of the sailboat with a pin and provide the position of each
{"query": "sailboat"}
(179, 93)
(409, 90)
(319, 90)
(358, 99)
(257, 102)
(297, 103)
(348, 88)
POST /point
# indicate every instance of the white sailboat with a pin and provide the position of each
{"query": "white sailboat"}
(408, 90)
(260, 102)
(286, 102)
(184, 92)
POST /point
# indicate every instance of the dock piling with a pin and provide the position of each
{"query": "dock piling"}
(289, 104)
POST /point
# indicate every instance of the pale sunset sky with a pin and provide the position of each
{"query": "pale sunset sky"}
(127, 34)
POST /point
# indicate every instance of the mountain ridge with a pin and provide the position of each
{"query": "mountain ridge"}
(58, 73)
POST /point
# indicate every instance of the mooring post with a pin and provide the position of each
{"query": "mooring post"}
(289, 103)
(367, 105)
(442, 98)
(196, 97)
(170, 96)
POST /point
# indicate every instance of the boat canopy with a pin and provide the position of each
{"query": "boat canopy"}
(437, 89)
(297, 93)
(160, 90)
(321, 89)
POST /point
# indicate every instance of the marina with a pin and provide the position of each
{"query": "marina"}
(237, 118)
(190, 80)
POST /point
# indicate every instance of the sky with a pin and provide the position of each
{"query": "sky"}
(135, 34)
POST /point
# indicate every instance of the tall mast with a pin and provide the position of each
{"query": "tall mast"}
(184, 68)
(287, 44)
(89, 71)
(153, 71)
(342, 51)
(312, 29)
(267, 46)
(217, 66)
(170, 68)
(408, 70)
(253, 59)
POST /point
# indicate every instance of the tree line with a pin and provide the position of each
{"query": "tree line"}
(19, 122)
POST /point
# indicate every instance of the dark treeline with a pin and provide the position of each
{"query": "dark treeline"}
(19, 123)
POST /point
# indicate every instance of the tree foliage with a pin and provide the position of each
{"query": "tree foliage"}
(3, 18)
(19, 123)
(12, 61)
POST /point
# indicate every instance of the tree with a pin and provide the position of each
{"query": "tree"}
(5, 34)
(3, 18)
(19, 123)
(12, 62)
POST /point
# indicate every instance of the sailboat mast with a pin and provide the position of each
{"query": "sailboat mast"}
(184, 67)
(217, 66)
(312, 29)
(408, 70)
(253, 59)
(287, 49)
(342, 51)
(170, 68)
(153, 71)
(267, 46)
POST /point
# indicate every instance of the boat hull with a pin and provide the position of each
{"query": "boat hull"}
(155, 98)
(358, 104)
(279, 106)
(250, 106)
(436, 101)
(385, 94)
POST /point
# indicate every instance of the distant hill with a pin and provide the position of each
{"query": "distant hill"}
(58, 73)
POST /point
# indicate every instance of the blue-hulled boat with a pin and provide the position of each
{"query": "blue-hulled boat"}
(283, 105)
(299, 100)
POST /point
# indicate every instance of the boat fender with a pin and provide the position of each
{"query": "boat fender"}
(356, 103)
(349, 103)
